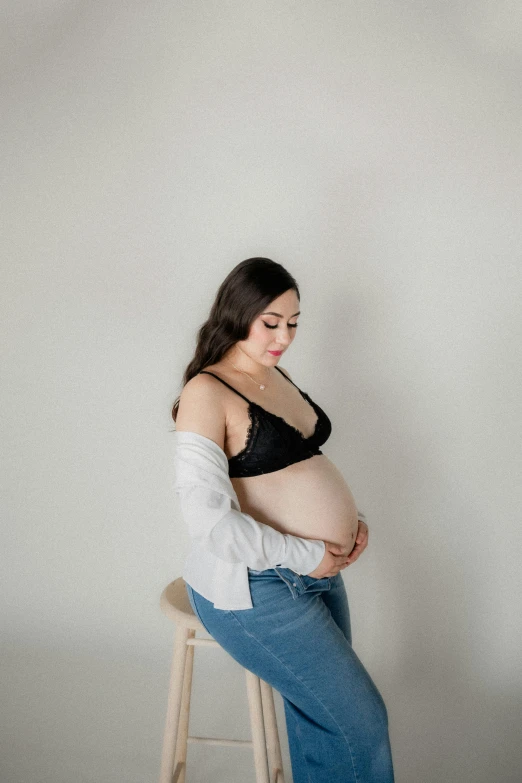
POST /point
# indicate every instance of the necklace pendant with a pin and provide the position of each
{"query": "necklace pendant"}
(262, 386)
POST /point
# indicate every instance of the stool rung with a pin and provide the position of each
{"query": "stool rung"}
(263, 738)
(215, 741)
(203, 642)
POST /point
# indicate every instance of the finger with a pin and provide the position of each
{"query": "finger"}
(338, 550)
(356, 551)
(362, 541)
(359, 546)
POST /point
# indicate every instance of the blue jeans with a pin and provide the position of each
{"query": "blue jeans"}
(297, 637)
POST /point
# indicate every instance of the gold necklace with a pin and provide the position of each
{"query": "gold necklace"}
(262, 386)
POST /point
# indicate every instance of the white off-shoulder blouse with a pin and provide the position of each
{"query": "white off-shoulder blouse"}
(224, 540)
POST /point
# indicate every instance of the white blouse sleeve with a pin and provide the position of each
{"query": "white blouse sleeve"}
(211, 511)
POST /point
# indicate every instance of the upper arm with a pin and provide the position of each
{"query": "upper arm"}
(201, 409)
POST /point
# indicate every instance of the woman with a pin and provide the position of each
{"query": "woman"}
(272, 525)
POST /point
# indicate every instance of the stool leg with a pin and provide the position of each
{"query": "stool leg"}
(177, 672)
(272, 735)
(180, 759)
(258, 727)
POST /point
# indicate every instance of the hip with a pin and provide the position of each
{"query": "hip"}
(280, 598)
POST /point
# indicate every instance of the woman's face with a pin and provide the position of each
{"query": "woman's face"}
(273, 330)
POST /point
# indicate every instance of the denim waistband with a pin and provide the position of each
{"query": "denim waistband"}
(296, 583)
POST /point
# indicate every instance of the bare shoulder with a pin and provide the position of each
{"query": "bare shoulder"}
(285, 372)
(202, 408)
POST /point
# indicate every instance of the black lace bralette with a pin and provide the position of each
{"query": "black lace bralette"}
(271, 442)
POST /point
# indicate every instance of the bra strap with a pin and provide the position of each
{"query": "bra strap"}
(226, 384)
(287, 378)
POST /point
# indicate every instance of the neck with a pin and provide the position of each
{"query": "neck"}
(244, 363)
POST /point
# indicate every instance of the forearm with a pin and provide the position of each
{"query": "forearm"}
(234, 536)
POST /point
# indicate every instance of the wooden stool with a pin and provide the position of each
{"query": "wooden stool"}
(265, 738)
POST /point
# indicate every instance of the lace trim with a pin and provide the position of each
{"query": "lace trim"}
(256, 412)
(247, 448)
(241, 471)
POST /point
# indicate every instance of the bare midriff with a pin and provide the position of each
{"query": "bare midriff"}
(308, 498)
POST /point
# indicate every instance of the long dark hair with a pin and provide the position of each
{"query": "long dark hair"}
(244, 293)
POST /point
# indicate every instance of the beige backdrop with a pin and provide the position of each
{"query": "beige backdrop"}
(373, 149)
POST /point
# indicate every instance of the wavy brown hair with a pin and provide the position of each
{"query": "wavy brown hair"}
(244, 293)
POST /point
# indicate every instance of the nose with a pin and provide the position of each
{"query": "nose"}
(284, 339)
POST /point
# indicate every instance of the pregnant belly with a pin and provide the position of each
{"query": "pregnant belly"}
(309, 499)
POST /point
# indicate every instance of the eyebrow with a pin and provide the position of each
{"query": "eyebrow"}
(279, 314)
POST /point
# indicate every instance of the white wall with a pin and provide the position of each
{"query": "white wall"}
(373, 149)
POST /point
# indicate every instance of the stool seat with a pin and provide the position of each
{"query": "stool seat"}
(175, 604)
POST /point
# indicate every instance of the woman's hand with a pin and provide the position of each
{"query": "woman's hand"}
(334, 559)
(337, 557)
(361, 542)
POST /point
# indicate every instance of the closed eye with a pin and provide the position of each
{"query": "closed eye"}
(268, 326)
